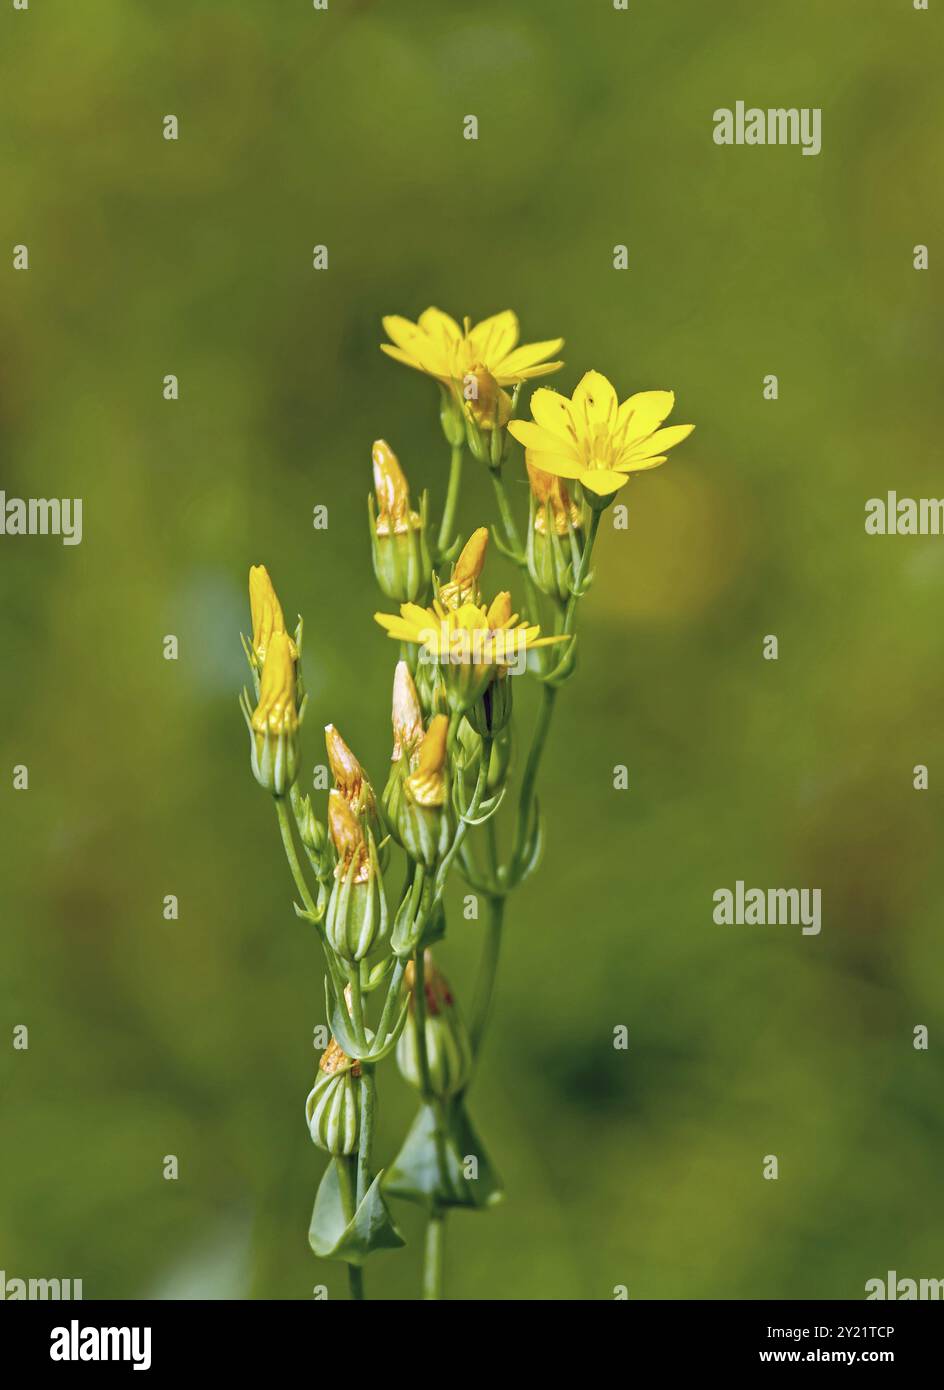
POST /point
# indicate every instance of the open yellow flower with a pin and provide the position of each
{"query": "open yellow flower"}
(593, 438)
(470, 643)
(437, 346)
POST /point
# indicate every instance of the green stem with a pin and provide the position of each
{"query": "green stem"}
(582, 570)
(452, 500)
(435, 1230)
(433, 1262)
(512, 536)
(342, 1166)
(285, 826)
(488, 970)
(368, 1089)
(526, 796)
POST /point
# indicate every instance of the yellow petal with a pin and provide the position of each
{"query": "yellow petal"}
(602, 481)
(401, 331)
(536, 437)
(529, 373)
(494, 338)
(638, 465)
(595, 400)
(658, 442)
(400, 356)
(644, 412)
(438, 324)
(560, 464)
(553, 412)
(528, 355)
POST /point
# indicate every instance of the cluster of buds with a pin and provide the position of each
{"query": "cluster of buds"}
(448, 1046)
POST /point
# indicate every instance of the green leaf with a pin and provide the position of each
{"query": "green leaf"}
(371, 1228)
(415, 1172)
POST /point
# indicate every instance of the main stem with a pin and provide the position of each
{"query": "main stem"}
(434, 1254)
(355, 1274)
(436, 1228)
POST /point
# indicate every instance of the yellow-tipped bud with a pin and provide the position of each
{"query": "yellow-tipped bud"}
(463, 585)
(394, 516)
(407, 715)
(347, 838)
(500, 611)
(486, 402)
(276, 710)
(267, 617)
(350, 778)
(550, 494)
(427, 785)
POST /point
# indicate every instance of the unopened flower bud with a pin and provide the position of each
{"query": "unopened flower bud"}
(423, 822)
(356, 921)
(463, 585)
(398, 534)
(266, 611)
(311, 832)
(349, 777)
(334, 1103)
(273, 725)
(407, 720)
(555, 536)
(448, 1047)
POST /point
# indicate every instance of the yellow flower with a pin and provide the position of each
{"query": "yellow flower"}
(469, 643)
(593, 438)
(266, 611)
(276, 712)
(437, 346)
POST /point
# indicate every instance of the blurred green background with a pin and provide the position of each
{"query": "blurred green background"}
(148, 257)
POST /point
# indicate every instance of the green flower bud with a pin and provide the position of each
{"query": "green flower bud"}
(555, 539)
(448, 1046)
(490, 714)
(333, 1107)
(274, 745)
(399, 547)
(356, 922)
(312, 833)
(423, 824)
(451, 418)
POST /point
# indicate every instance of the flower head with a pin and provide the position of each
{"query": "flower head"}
(437, 346)
(471, 643)
(593, 438)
